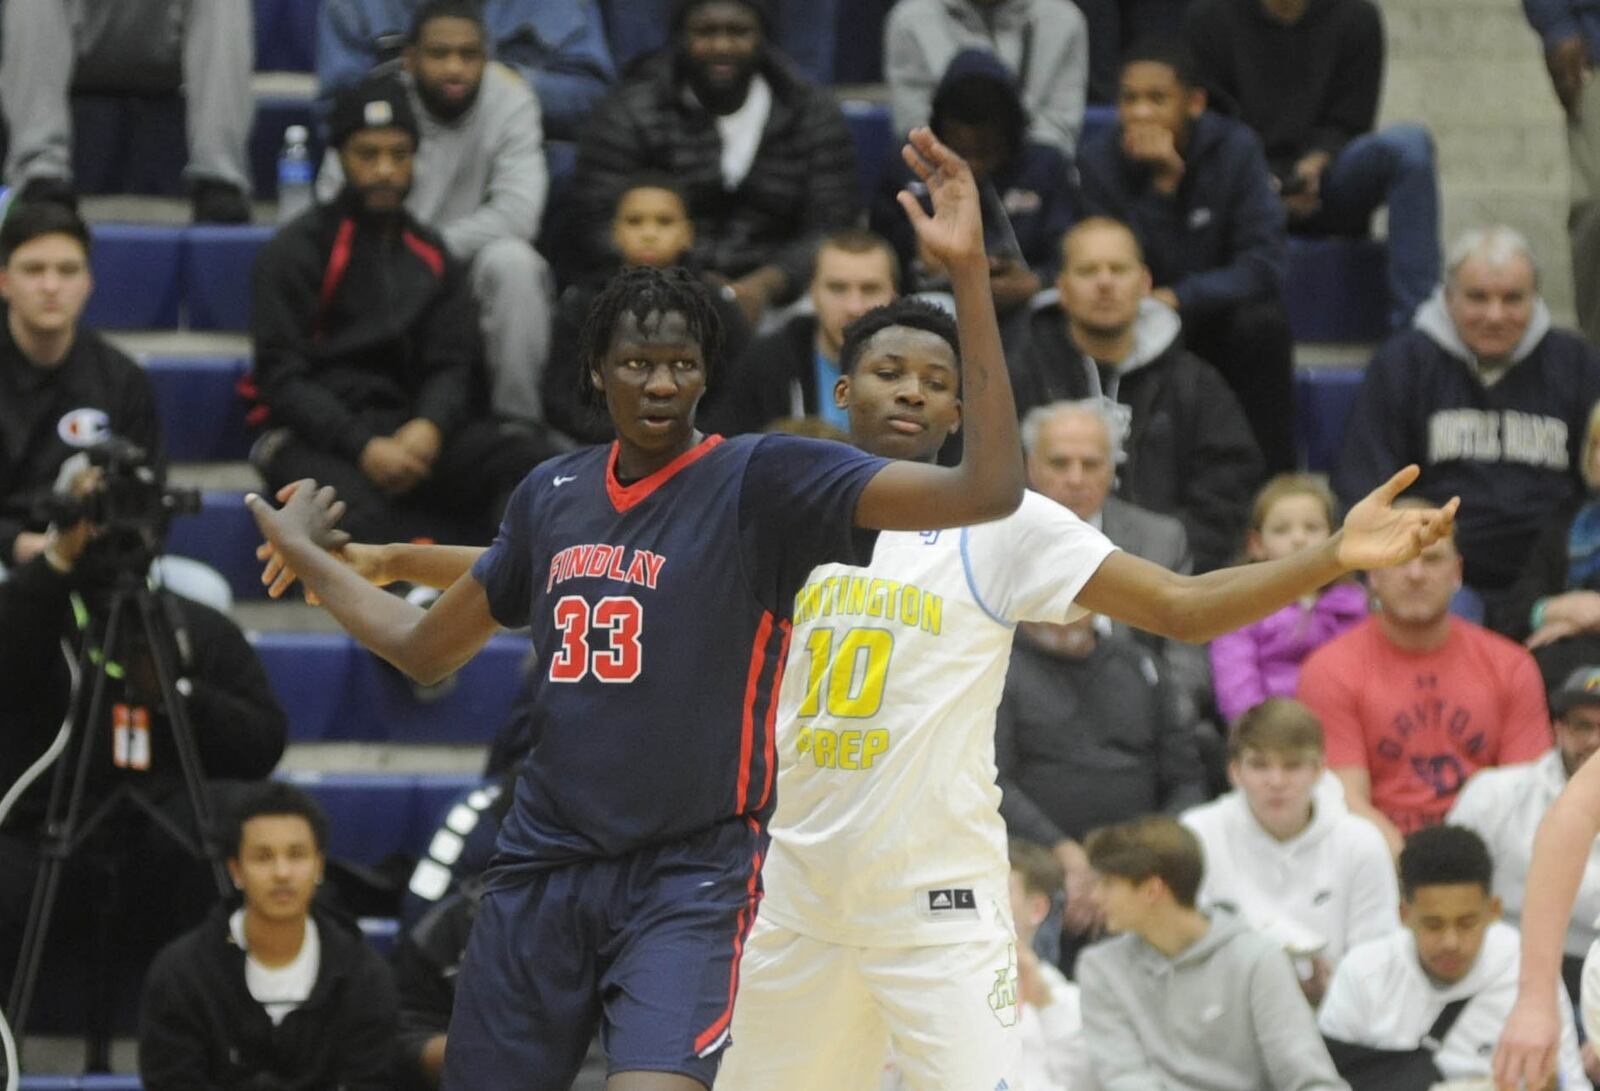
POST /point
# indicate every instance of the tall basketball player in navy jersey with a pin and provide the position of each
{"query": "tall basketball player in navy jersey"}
(657, 577)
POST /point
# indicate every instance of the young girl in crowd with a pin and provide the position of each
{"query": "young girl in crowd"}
(1263, 660)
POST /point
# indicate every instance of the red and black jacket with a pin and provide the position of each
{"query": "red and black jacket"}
(360, 323)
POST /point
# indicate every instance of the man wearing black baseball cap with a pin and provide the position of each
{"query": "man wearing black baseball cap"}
(367, 359)
(1505, 806)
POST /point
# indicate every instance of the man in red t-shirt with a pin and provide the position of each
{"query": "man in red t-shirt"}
(1413, 700)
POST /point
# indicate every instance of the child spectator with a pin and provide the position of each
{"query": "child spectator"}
(1291, 860)
(650, 226)
(1263, 660)
(1183, 998)
(1052, 1017)
(1388, 993)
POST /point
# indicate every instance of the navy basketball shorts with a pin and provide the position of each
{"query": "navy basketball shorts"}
(645, 947)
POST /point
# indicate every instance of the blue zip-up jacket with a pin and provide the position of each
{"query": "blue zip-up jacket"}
(1556, 20)
(559, 46)
(1219, 240)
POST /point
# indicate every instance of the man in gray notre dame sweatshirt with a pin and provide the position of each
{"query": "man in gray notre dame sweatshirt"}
(1182, 1000)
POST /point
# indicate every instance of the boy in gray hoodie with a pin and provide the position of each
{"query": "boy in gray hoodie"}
(1181, 999)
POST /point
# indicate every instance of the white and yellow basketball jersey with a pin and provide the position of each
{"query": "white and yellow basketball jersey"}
(888, 831)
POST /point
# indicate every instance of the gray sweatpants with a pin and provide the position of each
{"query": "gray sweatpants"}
(48, 47)
(514, 289)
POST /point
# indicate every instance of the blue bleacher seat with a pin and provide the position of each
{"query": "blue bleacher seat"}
(109, 1082)
(223, 535)
(873, 133)
(1337, 290)
(374, 815)
(1097, 119)
(138, 272)
(383, 933)
(216, 274)
(1322, 398)
(49, 1083)
(334, 690)
(286, 35)
(202, 415)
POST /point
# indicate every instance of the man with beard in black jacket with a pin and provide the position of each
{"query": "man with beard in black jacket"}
(763, 156)
(1190, 451)
(368, 370)
(275, 995)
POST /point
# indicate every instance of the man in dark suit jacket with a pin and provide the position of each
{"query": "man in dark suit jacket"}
(1073, 450)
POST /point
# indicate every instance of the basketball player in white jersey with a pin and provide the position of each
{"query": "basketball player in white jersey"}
(885, 923)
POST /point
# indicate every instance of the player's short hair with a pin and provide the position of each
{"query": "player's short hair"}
(273, 797)
(652, 178)
(29, 220)
(1444, 856)
(908, 311)
(642, 291)
(1278, 725)
(1152, 847)
(1040, 870)
(429, 10)
(860, 240)
(1166, 50)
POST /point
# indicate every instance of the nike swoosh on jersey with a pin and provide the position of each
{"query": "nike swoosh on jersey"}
(559, 481)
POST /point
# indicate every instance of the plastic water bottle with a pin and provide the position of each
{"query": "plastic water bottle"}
(294, 174)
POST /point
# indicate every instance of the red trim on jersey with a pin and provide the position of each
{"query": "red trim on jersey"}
(624, 497)
(772, 715)
(746, 920)
(338, 262)
(747, 729)
(429, 254)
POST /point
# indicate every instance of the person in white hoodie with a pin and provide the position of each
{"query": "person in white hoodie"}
(1388, 992)
(480, 180)
(1184, 999)
(1506, 805)
(1288, 858)
(1045, 43)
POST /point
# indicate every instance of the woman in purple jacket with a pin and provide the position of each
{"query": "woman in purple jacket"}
(1263, 660)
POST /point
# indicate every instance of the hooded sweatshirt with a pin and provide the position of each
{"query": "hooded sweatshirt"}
(478, 178)
(1028, 204)
(1045, 44)
(1508, 440)
(1320, 892)
(1380, 997)
(1263, 659)
(1224, 1015)
(1191, 453)
(1307, 87)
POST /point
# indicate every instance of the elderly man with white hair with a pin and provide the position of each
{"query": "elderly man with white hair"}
(1073, 451)
(1488, 398)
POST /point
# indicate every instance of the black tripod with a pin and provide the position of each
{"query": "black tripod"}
(66, 828)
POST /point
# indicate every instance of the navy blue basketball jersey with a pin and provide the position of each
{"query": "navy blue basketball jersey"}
(660, 614)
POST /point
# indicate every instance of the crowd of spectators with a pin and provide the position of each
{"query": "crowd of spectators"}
(1388, 748)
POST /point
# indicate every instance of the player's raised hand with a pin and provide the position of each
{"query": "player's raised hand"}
(1526, 1055)
(278, 577)
(953, 235)
(1376, 534)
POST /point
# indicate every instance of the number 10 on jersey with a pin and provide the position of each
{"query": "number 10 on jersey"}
(847, 681)
(619, 618)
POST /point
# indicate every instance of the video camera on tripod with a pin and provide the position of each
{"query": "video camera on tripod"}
(131, 508)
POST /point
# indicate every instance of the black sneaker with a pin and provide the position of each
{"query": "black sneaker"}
(220, 203)
(55, 190)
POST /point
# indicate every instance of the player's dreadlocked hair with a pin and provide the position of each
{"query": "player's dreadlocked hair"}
(918, 314)
(641, 292)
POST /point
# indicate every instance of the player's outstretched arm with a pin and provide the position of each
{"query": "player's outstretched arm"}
(425, 644)
(987, 484)
(1526, 1056)
(1197, 608)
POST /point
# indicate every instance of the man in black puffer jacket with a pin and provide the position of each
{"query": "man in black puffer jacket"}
(764, 157)
(368, 370)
